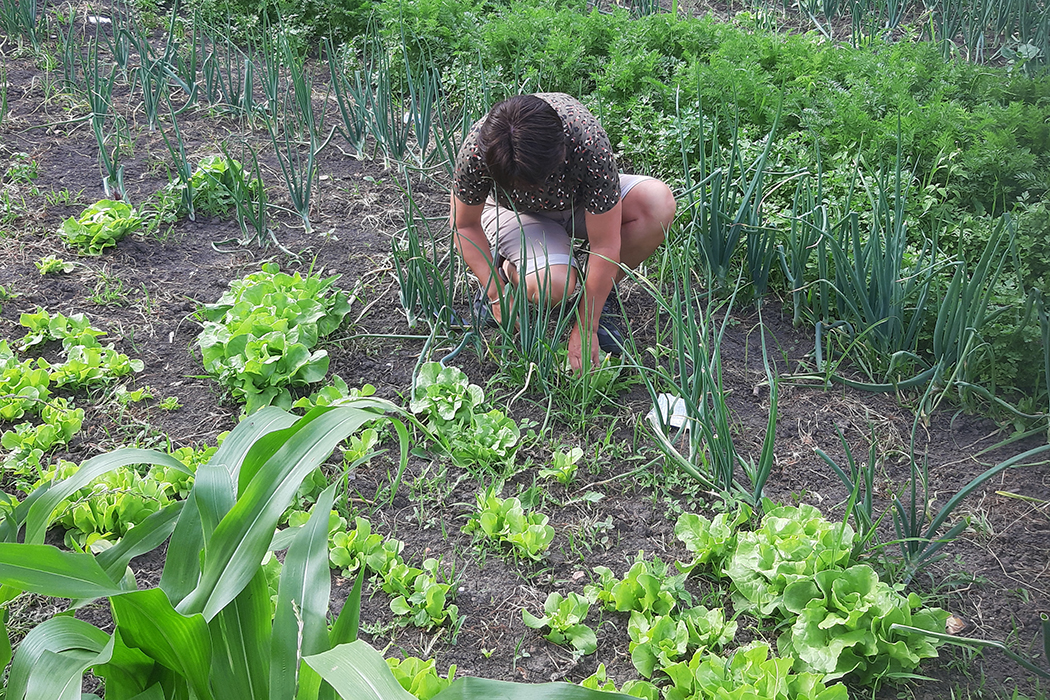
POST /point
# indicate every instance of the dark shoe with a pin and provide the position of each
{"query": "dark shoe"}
(610, 337)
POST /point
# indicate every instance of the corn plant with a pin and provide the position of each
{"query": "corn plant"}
(208, 630)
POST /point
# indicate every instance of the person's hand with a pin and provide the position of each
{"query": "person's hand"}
(576, 349)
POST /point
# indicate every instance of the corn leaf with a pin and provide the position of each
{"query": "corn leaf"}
(47, 570)
(305, 586)
(59, 635)
(358, 671)
(486, 689)
(242, 538)
(147, 621)
(240, 638)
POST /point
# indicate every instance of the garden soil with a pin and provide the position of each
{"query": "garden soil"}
(995, 577)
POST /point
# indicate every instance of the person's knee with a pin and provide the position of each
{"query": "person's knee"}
(661, 207)
(551, 286)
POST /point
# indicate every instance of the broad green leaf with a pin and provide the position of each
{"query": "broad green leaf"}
(58, 676)
(485, 689)
(242, 538)
(143, 538)
(148, 621)
(47, 570)
(5, 642)
(358, 671)
(346, 624)
(39, 516)
(57, 635)
(181, 572)
(215, 496)
(240, 638)
(303, 594)
(247, 434)
(126, 671)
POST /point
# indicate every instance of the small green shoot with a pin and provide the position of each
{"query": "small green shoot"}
(563, 466)
(49, 264)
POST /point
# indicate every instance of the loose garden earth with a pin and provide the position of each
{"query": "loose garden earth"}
(623, 503)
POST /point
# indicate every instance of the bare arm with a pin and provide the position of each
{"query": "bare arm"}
(603, 232)
(470, 240)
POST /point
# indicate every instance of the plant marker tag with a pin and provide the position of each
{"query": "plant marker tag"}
(671, 409)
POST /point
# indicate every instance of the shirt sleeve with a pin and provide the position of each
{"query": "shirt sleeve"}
(600, 178)
(470, 180)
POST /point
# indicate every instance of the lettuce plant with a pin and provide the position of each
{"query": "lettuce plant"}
(100, 226)
(259, 337)
(710, 541)
(793, 544)
(563, 466)
(647, 587)
(658, 642)
(444, 396)
(352, 549)
(748, 673)
(60, 422)
(420, 678)
(23, 384)
(215, 186)
(564, 616)
(505, 521)
(418, 595)
(71, 330)
(843, 626)
(451, 407)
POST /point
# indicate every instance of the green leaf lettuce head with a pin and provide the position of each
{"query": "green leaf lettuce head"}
(710, 541)
(748, 673)
(100, 226)
(843, 626)
(793, 544)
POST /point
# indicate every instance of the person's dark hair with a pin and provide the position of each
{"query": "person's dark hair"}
(523, 140)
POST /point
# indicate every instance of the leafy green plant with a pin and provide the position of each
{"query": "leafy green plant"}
(258, 338)
(505, 521)
(660, 641)
(563, 466)
(23, 384)
(216, 185)
(710, 541)
(843, 626)
(178, 640)
(60, 421)
(565, 616)
(647, 587)
(472, 438)
(169, 403)
(90, 365)
(420, 678)
(793, 544)
(71, 330)
(420, 596)
(362, 548)
(49, 264)
(750, 671)
(108, 507)
(100, 226)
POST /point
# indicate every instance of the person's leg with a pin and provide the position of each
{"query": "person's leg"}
(648, 209)
(537, 244)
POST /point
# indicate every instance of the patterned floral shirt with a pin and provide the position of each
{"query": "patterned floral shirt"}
(587, 178)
